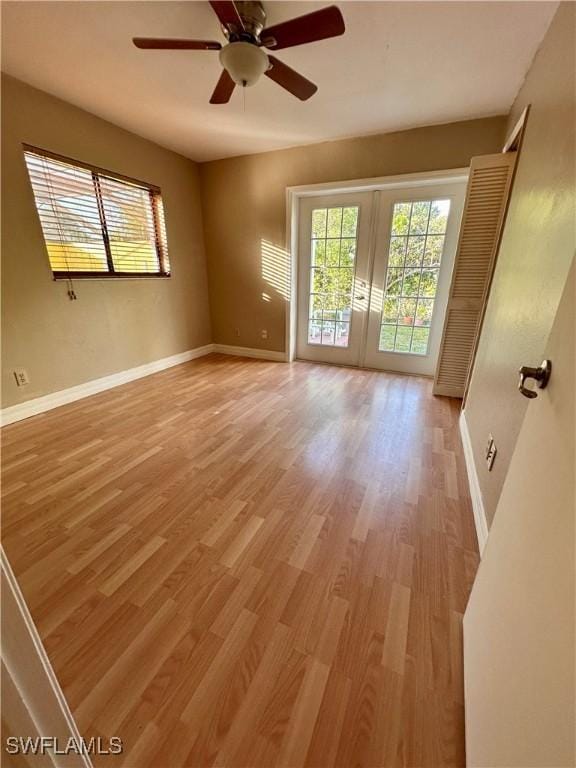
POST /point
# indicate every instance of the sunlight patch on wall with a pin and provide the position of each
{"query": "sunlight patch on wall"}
(376, 300)
(276, 268)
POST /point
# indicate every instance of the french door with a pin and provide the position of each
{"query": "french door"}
(374, 276)
(334, 275)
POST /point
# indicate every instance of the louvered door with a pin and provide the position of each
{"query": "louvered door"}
(484, 211)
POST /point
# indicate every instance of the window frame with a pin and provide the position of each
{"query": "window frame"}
(155, 194)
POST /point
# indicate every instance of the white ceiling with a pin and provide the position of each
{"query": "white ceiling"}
(399, 65)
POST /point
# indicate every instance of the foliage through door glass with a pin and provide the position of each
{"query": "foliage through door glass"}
(414, 255)
(332, 265)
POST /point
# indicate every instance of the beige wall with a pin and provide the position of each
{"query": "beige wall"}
(114, 324)
(244, 203)
(537, 247)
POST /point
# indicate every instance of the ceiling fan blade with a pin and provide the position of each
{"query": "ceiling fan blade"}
(289, 79)
(223, 90)
(319, 25)
(162, 43)
(227, 13)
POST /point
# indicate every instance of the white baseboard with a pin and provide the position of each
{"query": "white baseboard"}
(55, 399)
(475, 492)
(259, 354)
(64, 396)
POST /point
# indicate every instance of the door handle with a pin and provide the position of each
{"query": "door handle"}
(541, 375)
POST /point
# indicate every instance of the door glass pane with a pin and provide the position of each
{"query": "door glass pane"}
(318, 253)
(414, 255)
(334, 222)
(328, 334)
(347, 252)
(319, 223)
(390, 313)
(342, 333)
(333, 257)
(397, 251)
(314, 332)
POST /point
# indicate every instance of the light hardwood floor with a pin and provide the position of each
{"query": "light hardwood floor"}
(250, 564)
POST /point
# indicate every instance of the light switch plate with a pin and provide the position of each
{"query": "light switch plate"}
(491, 452)
(21, 376)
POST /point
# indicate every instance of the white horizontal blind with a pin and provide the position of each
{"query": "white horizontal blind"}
(96, 224)
(68, 210)
(482, 220)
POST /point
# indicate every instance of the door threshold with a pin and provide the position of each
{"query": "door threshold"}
(364, 368)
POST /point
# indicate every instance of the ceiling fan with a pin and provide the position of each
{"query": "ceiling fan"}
(243, 57)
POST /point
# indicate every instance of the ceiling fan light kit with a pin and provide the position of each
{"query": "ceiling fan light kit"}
(245, 62)
(243, 59)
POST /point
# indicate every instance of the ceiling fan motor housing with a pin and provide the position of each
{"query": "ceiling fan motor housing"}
(253, 15)
(244, 62)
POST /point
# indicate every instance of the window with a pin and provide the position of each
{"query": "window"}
(415, 251)
(332, 275)
(97, 224)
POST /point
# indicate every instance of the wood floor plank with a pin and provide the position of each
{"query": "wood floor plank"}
(305, 712)
(308, 538)
(393, 654)
(211, 683)
(241, 734)
(239, 563)
(324, 744)
(135, 562)
(240, 543)
(101, 546)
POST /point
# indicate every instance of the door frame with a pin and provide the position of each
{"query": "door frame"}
(295, 194)
(34, 704)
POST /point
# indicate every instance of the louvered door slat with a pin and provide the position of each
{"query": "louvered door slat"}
(484, 210)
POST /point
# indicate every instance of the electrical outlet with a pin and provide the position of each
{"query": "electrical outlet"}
(489, 445)
(264, 333)
(491, 452)
(21, 376)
